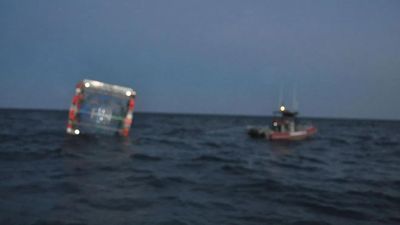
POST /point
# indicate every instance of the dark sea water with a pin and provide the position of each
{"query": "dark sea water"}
(185, 169)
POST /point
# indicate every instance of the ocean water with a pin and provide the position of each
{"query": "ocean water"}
(186, 169)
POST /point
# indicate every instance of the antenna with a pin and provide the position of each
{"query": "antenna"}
(295, 104)
(280, 96)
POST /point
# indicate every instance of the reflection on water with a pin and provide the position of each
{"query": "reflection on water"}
(283, 148)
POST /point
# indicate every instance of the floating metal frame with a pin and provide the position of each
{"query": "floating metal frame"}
(109, 89)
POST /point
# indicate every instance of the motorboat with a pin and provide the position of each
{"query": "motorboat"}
(285, 126)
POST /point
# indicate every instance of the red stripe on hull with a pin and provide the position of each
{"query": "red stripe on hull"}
(298, 135)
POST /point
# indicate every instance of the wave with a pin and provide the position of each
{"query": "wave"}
(387, 143)
(213, 158)
(257, 186)
(237, 170)
(220, 145)
(159, 182)
(338, 141)
(377, 195)
(293, 166)
(312, 160)
(118, 204)
(56, 222)
(334, 211)
(311, 222)
(184, 132)
(172, 222)
(27, 154)
(145, 157)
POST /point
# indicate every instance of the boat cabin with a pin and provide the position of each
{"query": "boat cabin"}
(284, 121)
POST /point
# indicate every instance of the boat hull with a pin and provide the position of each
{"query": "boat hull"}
(282, 136)
(292, 136)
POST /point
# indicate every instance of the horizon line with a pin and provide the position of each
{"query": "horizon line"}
(215, 114)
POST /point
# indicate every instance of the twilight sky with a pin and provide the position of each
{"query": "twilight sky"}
(208, 56)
